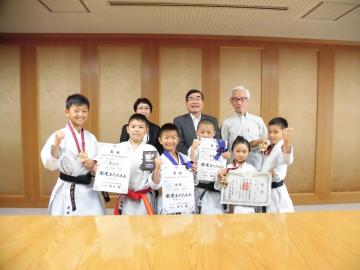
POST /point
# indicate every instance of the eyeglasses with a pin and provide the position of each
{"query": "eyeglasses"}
(194, 99)
(242, 99)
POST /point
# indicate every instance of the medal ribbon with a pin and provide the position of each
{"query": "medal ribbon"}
(221, 149)
(75, 138)
(173, 161)
(235, 167)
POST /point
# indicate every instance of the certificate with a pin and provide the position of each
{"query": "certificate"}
(177, 190)
(113, 172)
(207, 169)
(208, 166)
(253, 189)
(207, 149)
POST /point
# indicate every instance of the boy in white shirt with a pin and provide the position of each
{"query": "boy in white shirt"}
(169, 139)
(72, 150)
(278, 155)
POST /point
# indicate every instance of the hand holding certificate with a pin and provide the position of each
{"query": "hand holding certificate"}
(177, 190)
(113, 172)
(209, 161)
(252, 189)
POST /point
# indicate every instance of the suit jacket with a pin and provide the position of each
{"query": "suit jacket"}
(187, 130)
(152, 139)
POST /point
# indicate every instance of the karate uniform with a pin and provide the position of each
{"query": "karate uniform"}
(208, 202)
(243, 169)
(138, 179)
(167, 163)
(87, 201)
(278, 162)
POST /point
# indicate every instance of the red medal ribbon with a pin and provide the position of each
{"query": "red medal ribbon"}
(75, 138)
(235, 167)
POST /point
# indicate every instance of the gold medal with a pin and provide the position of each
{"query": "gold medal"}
(83, 156)
(263, 146)
(224, 182)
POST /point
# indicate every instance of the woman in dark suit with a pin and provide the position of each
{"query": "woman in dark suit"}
(144, 106)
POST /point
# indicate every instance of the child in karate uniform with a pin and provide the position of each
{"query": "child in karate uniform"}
(206, 196)
(241, 150)
(72, 150)
(140, 199)
(275, 160)
(169, 139)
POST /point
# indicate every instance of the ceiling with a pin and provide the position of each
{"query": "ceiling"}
(310, 19)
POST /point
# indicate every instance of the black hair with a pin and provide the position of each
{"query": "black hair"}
(142, 100)
(278, 121)
(206, 122)
(139, 117)
(240, 140)
(76, 99)
(192, 91)
(168, 127)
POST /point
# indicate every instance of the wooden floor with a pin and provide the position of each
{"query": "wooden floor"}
(307, 240)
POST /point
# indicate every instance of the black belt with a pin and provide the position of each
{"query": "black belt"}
(207, 186)
(81, 179)
(277, 184)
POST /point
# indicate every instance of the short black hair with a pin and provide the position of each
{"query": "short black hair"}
(142, 100)
(240, 140)
(76, 99)
(279, 121)
(168, 127)
(192, 91)
(139, 117)
(206, 122)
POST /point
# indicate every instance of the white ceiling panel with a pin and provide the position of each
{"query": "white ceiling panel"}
(192, 17)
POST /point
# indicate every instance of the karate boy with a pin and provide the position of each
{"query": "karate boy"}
(71, 150)
(140, 198)
(207, 197)
(278, 155)
(169, 139)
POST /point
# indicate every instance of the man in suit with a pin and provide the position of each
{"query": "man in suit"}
(187, 123)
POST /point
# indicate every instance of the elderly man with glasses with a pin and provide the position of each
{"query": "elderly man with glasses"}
(250, 126)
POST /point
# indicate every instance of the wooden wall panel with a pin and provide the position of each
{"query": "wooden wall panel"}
(120, 86)
(58, 77)
(298, 104)
(239, 66)
(346, 122)
(313, 84)
(11, 158)
(180, 71)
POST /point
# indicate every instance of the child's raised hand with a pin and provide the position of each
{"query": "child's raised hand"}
(59, 136)
(195, 144)
(287, 134)
(226, 155)
(158, 161)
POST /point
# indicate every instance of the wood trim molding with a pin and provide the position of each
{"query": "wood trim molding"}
(270, 82)
(211, 78)
(150, 77)
(29, 120)
(324, 121)
(89, 72)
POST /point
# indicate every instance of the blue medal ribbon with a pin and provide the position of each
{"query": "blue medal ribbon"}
(221, 149)
(173, 161)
